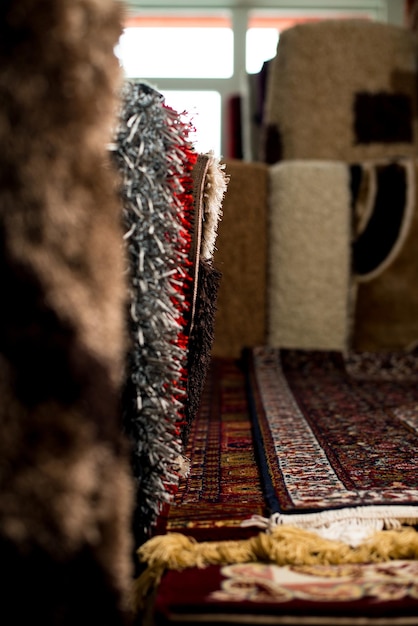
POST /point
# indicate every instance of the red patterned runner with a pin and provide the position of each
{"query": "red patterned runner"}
(223, 487)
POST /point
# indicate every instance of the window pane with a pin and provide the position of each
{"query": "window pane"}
(261, 45)
(203, 109)
(173, 47)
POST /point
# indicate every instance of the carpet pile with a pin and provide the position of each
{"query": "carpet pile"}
(336, 438)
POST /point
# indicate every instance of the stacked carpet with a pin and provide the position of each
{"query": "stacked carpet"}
(309, 256)
(357, 101)
(241, 257)
(385, 263)
(66, 493)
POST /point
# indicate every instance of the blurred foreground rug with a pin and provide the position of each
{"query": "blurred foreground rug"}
(336, 438)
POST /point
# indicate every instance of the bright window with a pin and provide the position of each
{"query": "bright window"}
(177, 47)
(200, 58)
(261, 45)
(203, 109)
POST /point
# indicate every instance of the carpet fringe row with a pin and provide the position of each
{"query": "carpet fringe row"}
(284, 545)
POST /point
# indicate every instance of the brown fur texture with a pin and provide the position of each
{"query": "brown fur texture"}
(65, 485)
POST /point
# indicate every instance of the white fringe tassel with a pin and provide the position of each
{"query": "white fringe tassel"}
(350, 525)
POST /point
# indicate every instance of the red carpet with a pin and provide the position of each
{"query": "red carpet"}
(223, 487)
(380, 595)
(332, 433)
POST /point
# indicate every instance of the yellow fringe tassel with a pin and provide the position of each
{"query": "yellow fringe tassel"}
(286, 545)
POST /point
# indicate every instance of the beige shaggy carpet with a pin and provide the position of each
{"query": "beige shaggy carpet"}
(342, 89)
(309, 255)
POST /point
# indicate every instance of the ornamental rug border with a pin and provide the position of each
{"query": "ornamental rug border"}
(326, 439)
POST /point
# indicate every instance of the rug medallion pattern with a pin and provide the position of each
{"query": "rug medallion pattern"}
(330, 434)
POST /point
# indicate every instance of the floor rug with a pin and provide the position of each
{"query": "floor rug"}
(261, 593)
(223, 486)
(336, 437)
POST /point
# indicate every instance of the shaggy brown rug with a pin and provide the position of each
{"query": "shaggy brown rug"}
(65, 483)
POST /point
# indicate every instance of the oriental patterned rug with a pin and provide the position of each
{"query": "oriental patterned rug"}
(262, 593)
(223, 486)
(336, 438)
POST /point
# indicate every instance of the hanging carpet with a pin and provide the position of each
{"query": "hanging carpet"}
(309, 282)
(385, 263)
(241, 256)
(356, 102)
(209, 187)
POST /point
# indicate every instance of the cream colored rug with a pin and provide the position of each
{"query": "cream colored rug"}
(309, 255)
